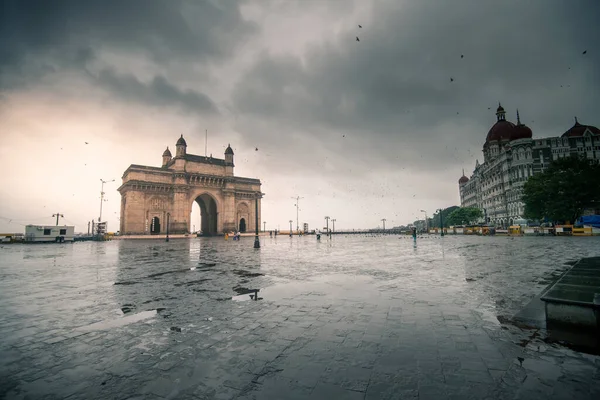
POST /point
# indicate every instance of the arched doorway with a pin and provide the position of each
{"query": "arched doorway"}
(155, 226)
(208, 214)
(242, 225)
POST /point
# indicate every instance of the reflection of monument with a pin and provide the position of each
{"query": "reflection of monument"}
(151, 196)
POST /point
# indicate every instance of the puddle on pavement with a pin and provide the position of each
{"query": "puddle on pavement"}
(328, 286)
(117, 323)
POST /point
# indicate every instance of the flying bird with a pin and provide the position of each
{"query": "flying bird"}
(357, 39)
(256, 149)
(462, 56)
(360, 26)
(585, 52)
(451, 79)
(86, 142)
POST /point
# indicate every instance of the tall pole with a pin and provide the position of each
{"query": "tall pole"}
(264, 226)
(102, 197)
(383, 220)
(333, 220)
(168, 218)
(88, 228)
(327, 220)
(57, 215)
(442, 222)
(297, 198)
(256, 227)
(291, 227)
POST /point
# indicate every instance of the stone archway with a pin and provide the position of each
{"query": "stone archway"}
(155, 226)
(243, 214)
(208, 214)
(242, 225)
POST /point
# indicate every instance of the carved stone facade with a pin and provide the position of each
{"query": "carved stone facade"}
(151, 196)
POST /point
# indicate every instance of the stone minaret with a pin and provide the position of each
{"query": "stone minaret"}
(166, 157)
(181, 145)
(229, 160)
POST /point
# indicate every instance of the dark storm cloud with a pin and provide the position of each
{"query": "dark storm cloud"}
(38, 37)
(395, 84)
(158, 92)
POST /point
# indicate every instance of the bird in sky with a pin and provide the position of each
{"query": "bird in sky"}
(585, 52)
(86, 143)
(462, 56)
(451, 79)
(357, 39)
(256, 149)
(360, 26)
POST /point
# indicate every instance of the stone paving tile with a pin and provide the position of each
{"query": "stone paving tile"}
(407, 333)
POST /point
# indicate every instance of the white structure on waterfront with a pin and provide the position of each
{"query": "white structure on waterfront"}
(511, 156)
(43, 233)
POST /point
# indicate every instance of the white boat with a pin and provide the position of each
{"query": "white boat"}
(49, 233)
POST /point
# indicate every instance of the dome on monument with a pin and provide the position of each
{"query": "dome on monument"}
(181, 142)
(463, 179)
(229, 150)
(167, 152)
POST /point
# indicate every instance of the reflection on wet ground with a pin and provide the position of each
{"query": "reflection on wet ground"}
(343, 317)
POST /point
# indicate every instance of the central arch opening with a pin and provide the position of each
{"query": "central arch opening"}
(208, 215)
(242, 225)
(155, 226)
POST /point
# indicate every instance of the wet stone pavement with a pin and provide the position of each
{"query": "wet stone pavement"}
(346, 318)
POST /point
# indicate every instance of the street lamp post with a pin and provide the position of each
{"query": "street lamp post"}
(291, 227)
(327, 226)
(264, 226)
(297, 198)
(333, 220)
(256, 226)
(102, 197)
(168, 219)
(426, 224)
(441, 222)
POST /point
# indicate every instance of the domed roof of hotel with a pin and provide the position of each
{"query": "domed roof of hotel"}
(521, 131)
(578, 130)
(463, 178)
(502, 129)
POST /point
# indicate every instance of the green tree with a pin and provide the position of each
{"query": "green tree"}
(434, 222)
(563, 191)
(464, 216)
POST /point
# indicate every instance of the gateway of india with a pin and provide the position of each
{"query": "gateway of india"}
(152, 197)
(511, 156)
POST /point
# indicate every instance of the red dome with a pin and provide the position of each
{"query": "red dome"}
(521, 132)
(578, 130)
(502, 130)
(463, 179)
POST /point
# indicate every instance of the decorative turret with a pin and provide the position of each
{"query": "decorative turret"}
(166, 157)
(229, 160)
(463, 179)
(181, 145)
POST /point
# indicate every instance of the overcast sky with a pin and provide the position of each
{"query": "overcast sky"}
(362, 130)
